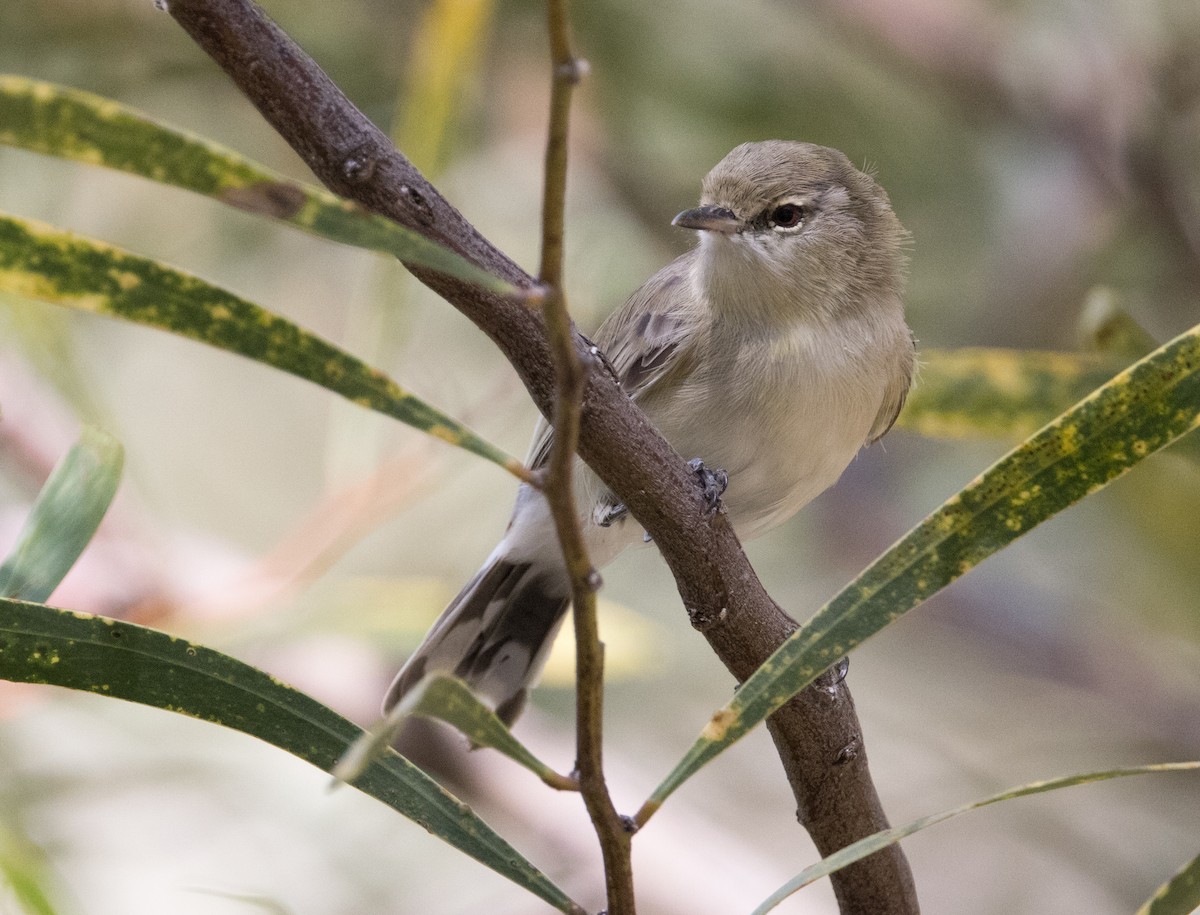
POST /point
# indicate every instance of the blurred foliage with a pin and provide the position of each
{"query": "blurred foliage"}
(1178, 896)
(1001, 393)
(64, 517)
(443, 71)
(27, 875)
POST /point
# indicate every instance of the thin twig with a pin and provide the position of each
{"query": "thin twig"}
(559, 488)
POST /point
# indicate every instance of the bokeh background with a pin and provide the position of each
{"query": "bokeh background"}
(1041, 154)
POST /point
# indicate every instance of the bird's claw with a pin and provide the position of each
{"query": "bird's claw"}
(608, 515)
(715, 482)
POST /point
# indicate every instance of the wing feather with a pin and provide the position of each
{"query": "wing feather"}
(896, 393)
(644, 340)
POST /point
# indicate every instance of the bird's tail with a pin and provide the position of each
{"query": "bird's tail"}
(495, 635)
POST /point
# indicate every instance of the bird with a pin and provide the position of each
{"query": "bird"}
(770, 353)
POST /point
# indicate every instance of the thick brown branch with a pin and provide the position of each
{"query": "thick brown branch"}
(817, 733)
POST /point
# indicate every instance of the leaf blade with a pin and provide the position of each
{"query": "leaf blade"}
(64, 517)
(871, 844)
(977, 392)
(45, 263)
(1140, 411)
(1178, 896)
(71, 124)
(40, 644)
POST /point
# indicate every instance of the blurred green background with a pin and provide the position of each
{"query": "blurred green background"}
(1037, 153)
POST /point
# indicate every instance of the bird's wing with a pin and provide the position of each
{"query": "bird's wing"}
(645, 340)
(895, 394)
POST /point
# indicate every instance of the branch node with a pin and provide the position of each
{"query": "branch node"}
(848, 753)
(572, 71)
(533, 296)
(702, 622)
(359, 168)
(413, 200)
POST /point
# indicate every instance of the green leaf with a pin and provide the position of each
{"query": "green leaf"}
(25, 870)
(873, 843)
(999, 393)
(64, 517)
(42, 262)
(59, 121)
(263, 903)
(451, 700)
(1106, 327)
(1140, 411)
(1178, 896)
(39, 644)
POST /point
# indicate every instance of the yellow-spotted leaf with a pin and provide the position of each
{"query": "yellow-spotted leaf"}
(999, 393)
(64, 517)
(449, 699)
(40, 644)
(873, 843)
(1178, 896)
(41, 262)
(1143, 409)
(64, 122)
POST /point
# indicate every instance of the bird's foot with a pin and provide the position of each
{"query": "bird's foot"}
(715, 482)
(608, 515)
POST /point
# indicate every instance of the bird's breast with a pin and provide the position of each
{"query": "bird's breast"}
(782, 413)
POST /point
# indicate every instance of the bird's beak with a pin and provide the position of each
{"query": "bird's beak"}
(709, 218)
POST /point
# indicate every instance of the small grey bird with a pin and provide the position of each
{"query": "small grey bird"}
(774, 351)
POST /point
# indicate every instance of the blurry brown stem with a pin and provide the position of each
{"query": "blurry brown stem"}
(817, 733)
(559, 488)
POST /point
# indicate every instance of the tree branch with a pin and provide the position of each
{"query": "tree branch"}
(817, 733)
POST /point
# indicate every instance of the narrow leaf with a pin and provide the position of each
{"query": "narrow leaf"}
(999, 393)
(1106, 327)
(880, 840)
(24, 868)
(444, 62)
(1140, 411)
(64, 517)
(1178, 896)
(42, 262)
(39, 644)
(64, 122)
(449, 699)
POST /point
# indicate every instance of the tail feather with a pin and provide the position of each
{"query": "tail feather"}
(495, 634)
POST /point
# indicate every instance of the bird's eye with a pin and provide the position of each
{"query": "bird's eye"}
(787, 216)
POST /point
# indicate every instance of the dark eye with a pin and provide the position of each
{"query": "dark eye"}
(787, 216)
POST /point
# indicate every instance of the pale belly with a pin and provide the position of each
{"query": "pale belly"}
(783, 448)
